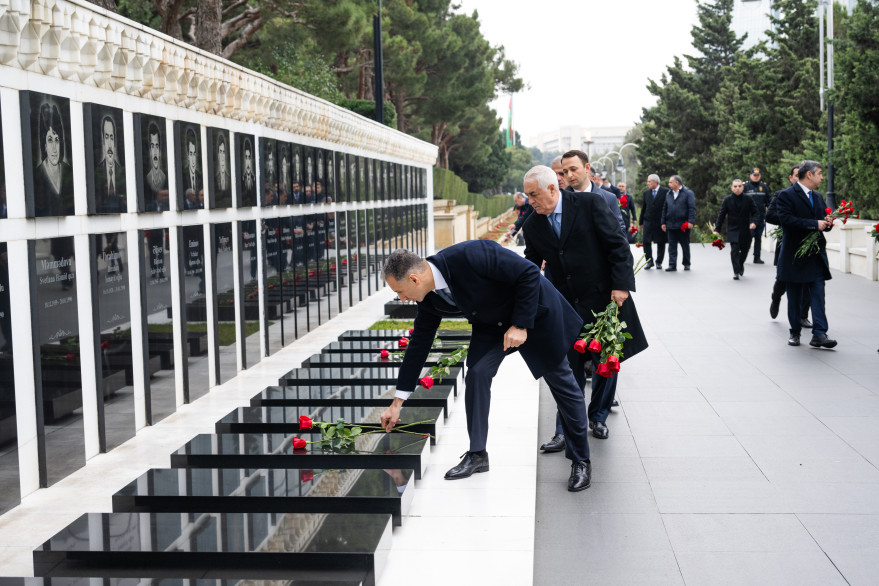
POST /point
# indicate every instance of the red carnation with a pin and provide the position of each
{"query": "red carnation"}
(311, 273)
(299, 443)
(411, 330)
(633, 229)
(306, 475)
(594, 346)
(402, 342)
(613, 363)
(684, 226)
(305, 422)
(580, 346)
(624, 201)
(105, 344)
(603, 370)
(384, 353)
(426, 382)
(828, 211)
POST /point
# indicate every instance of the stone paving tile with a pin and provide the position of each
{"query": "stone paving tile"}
(749, 568)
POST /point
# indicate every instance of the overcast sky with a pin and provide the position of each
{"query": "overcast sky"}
(554, 41)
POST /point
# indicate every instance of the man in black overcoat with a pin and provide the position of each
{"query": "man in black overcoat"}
(742, 213)
(590, 263)
(801, 212)
(651, 221)
(678, 217)
(511, 306)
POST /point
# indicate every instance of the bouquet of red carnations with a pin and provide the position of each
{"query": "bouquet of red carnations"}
(810, 245)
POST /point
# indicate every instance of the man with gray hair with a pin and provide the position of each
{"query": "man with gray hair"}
(589, 261)
(650, 220)
(511, 307)
(678, 216)
(556, 165)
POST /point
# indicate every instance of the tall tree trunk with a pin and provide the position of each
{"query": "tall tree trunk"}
(108, 4)
(207, 26)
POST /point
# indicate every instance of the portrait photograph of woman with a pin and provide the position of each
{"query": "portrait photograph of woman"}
(48, 170)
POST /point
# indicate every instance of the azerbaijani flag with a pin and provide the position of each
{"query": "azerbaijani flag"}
(510, 136)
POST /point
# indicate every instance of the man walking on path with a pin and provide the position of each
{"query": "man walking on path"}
(651, 221)
(759, 192)
(742, 214)
(678, 216)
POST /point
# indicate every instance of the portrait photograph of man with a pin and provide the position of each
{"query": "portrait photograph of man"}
(47, 155)
(219, 168)
(105, 159)
(269, 177)
(151, 163)
(190, 184)
(245, 161)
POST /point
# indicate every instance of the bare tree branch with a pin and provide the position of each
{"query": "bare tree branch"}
(246, 33)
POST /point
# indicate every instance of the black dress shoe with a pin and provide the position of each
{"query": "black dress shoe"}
(735, 277)
(822, 341)
(773, 307)
(615, 403)
(686, 268)
(472, 462)
(806, 323)
(757, 261)
(794, 340)
(581, 476)
(556, 444)
(659, 266)
(599, 429)
(649, 264)
(670, 269)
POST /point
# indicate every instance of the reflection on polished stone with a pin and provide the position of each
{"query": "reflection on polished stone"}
(366, 375)
(286, 419)
(374, 395)
(143, 581)
(397, 334)
(275, 450)
(233, 490)
(356, 359)
(376, 346)
(298, 547)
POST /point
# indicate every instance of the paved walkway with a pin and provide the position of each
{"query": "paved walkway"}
(733, 459)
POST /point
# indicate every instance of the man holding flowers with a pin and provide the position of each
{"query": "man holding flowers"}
(589, 261)
(511, 307)
(801, 212)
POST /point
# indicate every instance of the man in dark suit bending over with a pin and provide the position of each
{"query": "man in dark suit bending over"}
(511, 307)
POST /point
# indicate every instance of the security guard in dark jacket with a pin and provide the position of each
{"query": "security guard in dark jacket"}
(759, 192)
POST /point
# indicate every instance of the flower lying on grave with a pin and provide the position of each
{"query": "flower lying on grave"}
(443, 367)
(384, 354)
(341, 435)
(402, 342)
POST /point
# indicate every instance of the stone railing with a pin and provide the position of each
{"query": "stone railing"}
(850, 248)
(80, 42)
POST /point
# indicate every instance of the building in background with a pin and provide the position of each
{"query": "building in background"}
(752, 17)
(590, 139)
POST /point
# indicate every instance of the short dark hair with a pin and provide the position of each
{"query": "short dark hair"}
(152, 129)
(794, 170)
(808, 166)
(677, 178)
(401, 263)
(584, 158)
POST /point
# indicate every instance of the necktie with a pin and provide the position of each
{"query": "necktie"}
(812, 203)
(446, 296)
(556, 223)
(654, 194)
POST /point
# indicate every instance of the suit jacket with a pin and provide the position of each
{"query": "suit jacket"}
(494, 288)
(742, 212)
(107, 202)
(651, 213)
(187, 180)
(613, 204)
(677, 211)
(588, 261)
(797, 219)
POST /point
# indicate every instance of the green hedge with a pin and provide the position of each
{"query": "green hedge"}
(366, 108)
(447, 185)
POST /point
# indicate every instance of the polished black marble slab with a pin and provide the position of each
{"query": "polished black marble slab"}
(286, 419)
(275, 450)
(397, 334)
(141, 581)
(366, 375)
(355, 359)
(292, 490)
(439, 395)
(376, 346)
(301, 548)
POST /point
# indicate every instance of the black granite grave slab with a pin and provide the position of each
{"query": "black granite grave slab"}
(373, 395)
(301, 548)
(367, 375)
(286, 419)
(356, 359)
(400, 310)
(376, 346)
(397, 334)
(275, 450)
(142, 581)
(234, 490)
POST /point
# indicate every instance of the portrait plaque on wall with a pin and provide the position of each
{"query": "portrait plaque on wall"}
(283, 173)
(104, 159)
(156, 318)
(151, 163)
(245, 169)
(194, 291)
(219, 169)
(46, 153)
(268, 172)
(190, 178)
(9, 475)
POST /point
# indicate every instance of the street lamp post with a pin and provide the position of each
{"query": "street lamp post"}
(824, 5)
(379, 72)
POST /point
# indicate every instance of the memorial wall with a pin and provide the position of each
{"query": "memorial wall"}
(168, 218)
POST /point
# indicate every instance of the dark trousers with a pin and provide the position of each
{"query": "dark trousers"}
(738, 253)
(757, 234)
(795, 294)
(660, 250)
(675, 237)
(568, 397)
(604, 390)
(780, 287)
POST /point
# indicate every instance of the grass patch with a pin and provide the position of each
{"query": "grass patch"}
(226, 331)
(405, 324)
